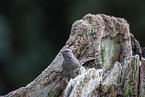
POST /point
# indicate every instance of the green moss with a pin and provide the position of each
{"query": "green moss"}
(110, 51)
(126, 88)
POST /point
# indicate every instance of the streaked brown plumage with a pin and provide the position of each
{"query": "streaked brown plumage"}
(70, 63)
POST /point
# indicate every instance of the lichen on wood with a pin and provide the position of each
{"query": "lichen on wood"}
(116, 70)
(83, 85)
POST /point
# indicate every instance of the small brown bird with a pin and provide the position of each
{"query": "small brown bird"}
(70, 62)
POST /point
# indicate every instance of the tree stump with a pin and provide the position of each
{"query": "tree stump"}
(118, 69)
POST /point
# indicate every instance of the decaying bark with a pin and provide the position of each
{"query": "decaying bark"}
(118, 70)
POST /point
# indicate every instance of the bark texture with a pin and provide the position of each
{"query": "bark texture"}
(118, 70)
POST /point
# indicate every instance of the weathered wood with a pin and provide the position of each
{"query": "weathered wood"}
(114, 72)
(142, 78)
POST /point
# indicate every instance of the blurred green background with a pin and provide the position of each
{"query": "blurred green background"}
(33, 31)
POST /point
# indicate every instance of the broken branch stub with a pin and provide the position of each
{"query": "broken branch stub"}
(114, 72)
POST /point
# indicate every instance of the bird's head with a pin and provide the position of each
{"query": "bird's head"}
(67, 53)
